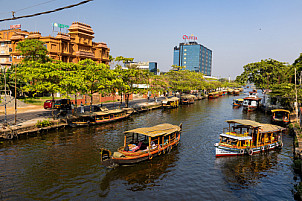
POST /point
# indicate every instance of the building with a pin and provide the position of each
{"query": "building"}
(6, 46)
(73, 46)
(194, 57)
(150, 66)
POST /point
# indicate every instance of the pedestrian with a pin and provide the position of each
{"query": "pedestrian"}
(72, 108)
(82, 108)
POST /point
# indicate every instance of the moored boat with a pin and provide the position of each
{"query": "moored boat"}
(143, 144)
(246, 137)
(213, 95)
(105, 116)
(252, 102)
(172, 102)
(237, 102)
(230, 91)
(280, 116)
(187, 99)
(236, 92)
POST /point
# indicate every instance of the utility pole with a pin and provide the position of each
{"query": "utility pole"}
(296, 103)
(5, 118)
(15, 94)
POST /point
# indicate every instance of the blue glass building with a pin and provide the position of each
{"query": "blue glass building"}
(153, 67)
(193, 56)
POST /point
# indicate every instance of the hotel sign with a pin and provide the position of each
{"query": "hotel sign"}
(15, 26)
(60, 25)
(192, 37)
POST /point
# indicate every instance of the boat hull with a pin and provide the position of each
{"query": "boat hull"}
(222, 151)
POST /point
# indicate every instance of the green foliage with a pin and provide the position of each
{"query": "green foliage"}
(33, 50)
(44, 123)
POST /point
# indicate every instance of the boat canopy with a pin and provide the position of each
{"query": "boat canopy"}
(245, 122)
(187, 96)
(109, 112)
(172, 99)
(264, 128)
(239, 99)
(280, 110)
(158, 130)
(236, 137)
(267, 128)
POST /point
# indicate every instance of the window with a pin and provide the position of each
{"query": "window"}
(185, 50)
(10, 58)
(185, 57)
(185, 53)
(2, 44)
(185, 62)
(2, 60)
(2, 51)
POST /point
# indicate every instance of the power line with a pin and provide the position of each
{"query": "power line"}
(28, 7)
(34, 5)
(45, 12)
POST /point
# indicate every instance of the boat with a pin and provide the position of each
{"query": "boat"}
(236, 92)
(104, 116)
(237, 102)
(111, 115)
(172, 102)
(224, 92)
(252, 102)
(230, 91)
(280, 116)
(143, 144)
(213, 95)
(187, 99)
(246, 137)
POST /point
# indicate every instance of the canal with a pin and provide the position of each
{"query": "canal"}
(66, 165)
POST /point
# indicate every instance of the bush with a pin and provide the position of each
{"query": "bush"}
(44, 123)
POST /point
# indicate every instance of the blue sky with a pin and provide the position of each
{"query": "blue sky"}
(237, 31)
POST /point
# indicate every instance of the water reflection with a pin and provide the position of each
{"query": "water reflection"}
(141, 176)
(243, 172)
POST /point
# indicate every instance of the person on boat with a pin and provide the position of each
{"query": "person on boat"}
(72, 108)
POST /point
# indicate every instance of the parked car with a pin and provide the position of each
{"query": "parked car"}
(62, 104)
(48, 104)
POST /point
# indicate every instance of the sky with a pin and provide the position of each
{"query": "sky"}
(237, 31)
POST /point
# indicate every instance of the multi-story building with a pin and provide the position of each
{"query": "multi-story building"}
(74, 46)
(150, 66)
(194, 57)
(6, 46)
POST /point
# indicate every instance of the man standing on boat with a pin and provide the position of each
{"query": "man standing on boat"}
(82, 108)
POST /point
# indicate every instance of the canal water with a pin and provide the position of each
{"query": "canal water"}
(66, 164)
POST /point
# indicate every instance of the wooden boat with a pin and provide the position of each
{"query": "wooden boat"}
(236, 92)
(220, 93)
(85, 119)
(187, 99)
(244, 137)
(143, 144)
(224, 92)
(213, 95)
(237, 102)
(280, 116)
(111, 115)
(172, 102)
(105, 116)
(230, 91)
(252, 102)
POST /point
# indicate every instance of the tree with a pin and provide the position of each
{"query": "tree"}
(97, 78)
(33, 50)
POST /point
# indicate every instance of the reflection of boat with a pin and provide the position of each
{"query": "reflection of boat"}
(237, 102)
(143, 144)
(248, 137)
(280, 116)
(187, 99)
(139, 176)
(244, 172)
(213, 95)
(252, 102)
(172, 102)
